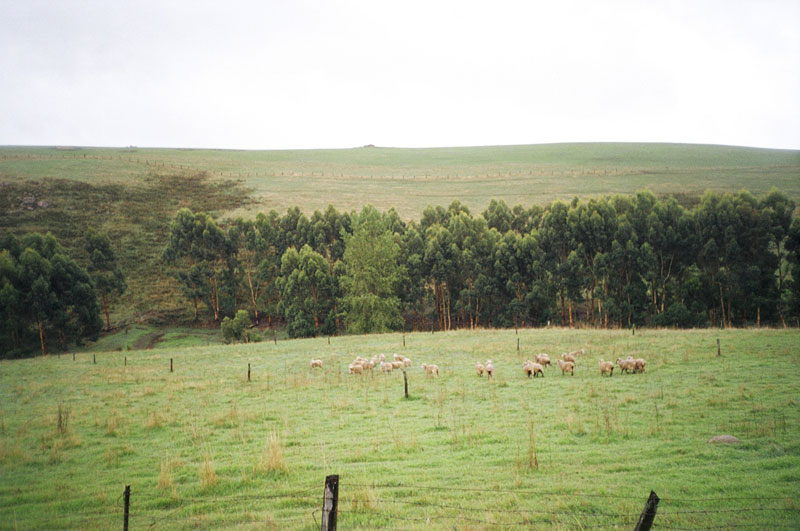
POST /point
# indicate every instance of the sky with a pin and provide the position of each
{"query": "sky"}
(301, 74)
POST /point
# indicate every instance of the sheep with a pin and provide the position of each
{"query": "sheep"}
(566, 366)
(386, 367)
(356, 368)
(382, 357)
(398, 357)
(626, 365)
(489, 368)
(542, 359)
(638, 365)
(316, 363)
(397, 365)
(479, 369)
(532, 368)
(606, 367)
(568, 357)
(406, 362)
(431, 370)
(579, 352)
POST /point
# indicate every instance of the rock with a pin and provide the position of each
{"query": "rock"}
(727, 439)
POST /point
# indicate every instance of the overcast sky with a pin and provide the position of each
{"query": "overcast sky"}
(326, 74)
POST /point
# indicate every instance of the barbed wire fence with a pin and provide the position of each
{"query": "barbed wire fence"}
(405, 506)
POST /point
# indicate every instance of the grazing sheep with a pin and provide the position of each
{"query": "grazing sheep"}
(566, 366)
(532, 368)
(606, 367)
(386, 367)
(479, 369)
(542, 359)
(356, 368)
(398, 357)
(398, 365)
(579, 352)
(638, 365)
(489, 368)
(431, 370)
(406, 362)
(382, 357)
(626, 365)
(568, 357)
(316, 363)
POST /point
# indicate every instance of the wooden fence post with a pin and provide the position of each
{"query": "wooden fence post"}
(170, 365)
(73, 356)
(719, 352)
(517, 344)
(404, 341)
(648, 513)
(405, 382)
(248, 372)
(330, 504)
(94, 359)
(127, 496)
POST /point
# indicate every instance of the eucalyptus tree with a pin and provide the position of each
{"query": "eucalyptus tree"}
(372, 274)
(104, 269)
(305, 285)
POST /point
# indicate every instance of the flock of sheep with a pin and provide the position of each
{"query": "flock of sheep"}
(532, 368)
(361, 365)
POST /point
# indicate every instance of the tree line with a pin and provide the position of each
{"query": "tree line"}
(616, 261)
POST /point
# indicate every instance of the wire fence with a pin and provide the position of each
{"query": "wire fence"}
(406, 506)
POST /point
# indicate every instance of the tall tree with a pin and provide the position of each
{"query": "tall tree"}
(104, 270)
(306, 285)
(372, 275)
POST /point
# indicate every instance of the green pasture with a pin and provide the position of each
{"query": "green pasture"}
(411, 179)
(203, 447)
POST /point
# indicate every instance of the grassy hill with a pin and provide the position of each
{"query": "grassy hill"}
(203, 447)
(132, 193)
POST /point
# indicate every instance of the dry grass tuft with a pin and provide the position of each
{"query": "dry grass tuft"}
(208, 478)
(276, 460)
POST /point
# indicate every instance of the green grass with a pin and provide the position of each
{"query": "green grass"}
(411, 179)
(203, 447)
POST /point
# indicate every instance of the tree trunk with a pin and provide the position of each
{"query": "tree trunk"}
(561, 294)
(252, 293)
(105, 307)
(41, 335)
(570, 313)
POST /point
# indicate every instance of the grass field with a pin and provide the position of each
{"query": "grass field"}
(203, 447)
(411, 179)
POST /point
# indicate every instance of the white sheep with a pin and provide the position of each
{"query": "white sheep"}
(638, 365)
(625, 365)
(398, 365)
(579, 352)
(386, 367)
(479, 369)
(606, 367)
(489, 368)
(398, 357)
(431, 370)
(532, 368)
(566, 366)
(356, 368)
(316, 363)
(406, 362)
(382, 357)
(568, 357)
(542, 359)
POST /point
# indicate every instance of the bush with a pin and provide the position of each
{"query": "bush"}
(234, 329)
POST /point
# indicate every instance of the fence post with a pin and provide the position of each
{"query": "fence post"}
(719, 352)
(405, 382)
(248, 372)
(330, 504)
(127, 496)
(73, 356)
(404, 340)
(517, 344)
(94, 359)
(170, 365)
(648, 513)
